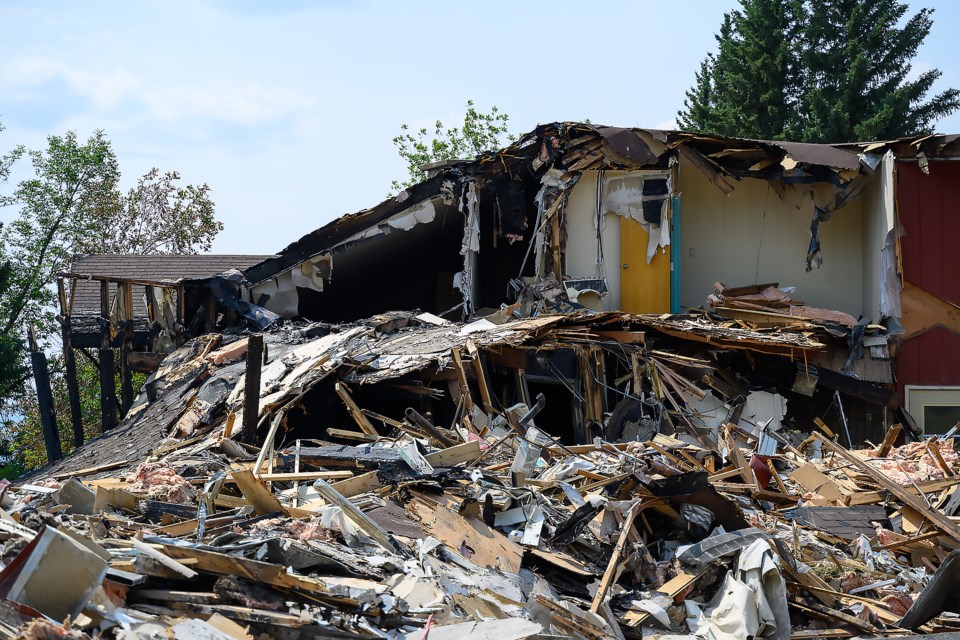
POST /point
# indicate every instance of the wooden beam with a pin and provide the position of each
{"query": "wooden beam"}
(255, 492)
(347, 434)
(927, 486)
(210, 306)
(266, 572)
(623, 337)
(305, 475)
(414, 416)
(888, 440)
(676, 588)
(705, 167)
(923, 311)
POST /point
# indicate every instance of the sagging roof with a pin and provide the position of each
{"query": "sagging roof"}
(152, 267)
(576, 147)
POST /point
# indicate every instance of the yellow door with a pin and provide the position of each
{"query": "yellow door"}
(644, 288)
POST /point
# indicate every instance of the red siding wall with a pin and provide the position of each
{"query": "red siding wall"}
(929, 210)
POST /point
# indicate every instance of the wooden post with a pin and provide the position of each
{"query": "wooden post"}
(153, 319)
(591, 371)
(251, 389)
(108, 399)
(180, 338)
(69, 360)
(125, 292)
(48, 417)
(210, 322)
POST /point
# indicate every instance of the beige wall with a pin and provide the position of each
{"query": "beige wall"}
(727, 233)
(581, 258)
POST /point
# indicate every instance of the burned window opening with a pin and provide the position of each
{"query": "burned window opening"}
(507, 219)
(402, 269)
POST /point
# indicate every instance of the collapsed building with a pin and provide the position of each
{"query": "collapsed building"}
(507, 400)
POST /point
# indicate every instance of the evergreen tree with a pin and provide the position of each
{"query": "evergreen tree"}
(857, 63)
(748, 88)
(825, 71)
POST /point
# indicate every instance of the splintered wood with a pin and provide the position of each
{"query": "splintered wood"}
(584, 475)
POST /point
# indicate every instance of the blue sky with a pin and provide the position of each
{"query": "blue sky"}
(287, 109)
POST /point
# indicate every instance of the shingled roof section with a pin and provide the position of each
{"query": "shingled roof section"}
(148, 267)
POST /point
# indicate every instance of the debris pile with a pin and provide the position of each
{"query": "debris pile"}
(588, 475)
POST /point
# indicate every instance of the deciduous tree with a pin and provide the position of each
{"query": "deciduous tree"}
(72, 205)
(479, 133)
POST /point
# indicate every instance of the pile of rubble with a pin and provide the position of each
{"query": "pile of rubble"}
(395, 479)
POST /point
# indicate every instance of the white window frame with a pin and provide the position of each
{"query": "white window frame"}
(910, 397)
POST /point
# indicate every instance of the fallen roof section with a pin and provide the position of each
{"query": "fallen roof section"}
(411, 477)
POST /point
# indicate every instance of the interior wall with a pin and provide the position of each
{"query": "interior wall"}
(877, 221)
(583, 256)
(752, 235)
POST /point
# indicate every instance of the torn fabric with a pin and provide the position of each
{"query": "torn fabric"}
(751, 603)
(645, 199)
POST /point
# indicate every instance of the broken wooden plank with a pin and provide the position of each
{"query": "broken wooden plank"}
(467, 398)
(623, 337)
(416, 418)
(614, 562)
(304, 475)
(346, 434)
(888, 440)
(927, 486)
(476, 360)
(222, 564)
(91, 470)
(365, 425)
(676, 588)
(363, 522)
(256, 492)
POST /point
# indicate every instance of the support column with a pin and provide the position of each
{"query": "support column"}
(125, 292)
(251, 389)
